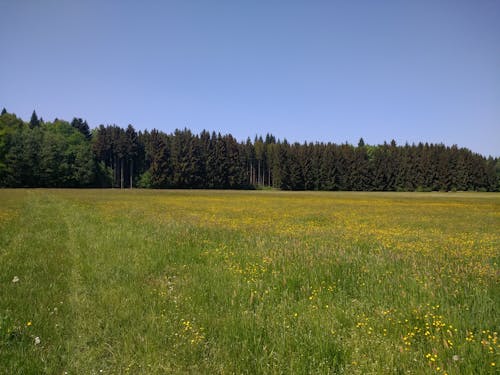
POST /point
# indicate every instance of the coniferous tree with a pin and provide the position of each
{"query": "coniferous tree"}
(306, 172)
(327, 168)
(235, 167)
(204, 151)
(211, 163)
(81, 126)
(360, 168)
(284, 166)
(295, 170)
(259, 158)
(132, 151)
(160, 168)
(250, 158)
(34, 121)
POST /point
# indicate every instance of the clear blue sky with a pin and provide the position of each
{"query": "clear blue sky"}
(302, 70)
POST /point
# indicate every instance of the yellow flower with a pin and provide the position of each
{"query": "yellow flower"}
(28, 324)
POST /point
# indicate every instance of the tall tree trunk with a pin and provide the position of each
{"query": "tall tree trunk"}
(131, 171)
(258, 174)
(115, 174)
(113, 170)
(121, 173)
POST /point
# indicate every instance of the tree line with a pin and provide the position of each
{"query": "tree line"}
(70, 154)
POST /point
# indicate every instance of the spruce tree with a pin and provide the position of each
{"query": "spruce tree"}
(132, 149)
(34, 121)
(81, 126)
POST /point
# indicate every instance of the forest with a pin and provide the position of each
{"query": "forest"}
(62, 154)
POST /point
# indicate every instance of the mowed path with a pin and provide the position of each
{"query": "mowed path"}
(83, 286)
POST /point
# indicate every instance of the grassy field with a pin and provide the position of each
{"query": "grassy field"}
(152, 282)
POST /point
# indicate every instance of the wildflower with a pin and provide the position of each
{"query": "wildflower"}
(493, 364)
(455, 357)
(28, 324)
(37, 340)
(15, 279)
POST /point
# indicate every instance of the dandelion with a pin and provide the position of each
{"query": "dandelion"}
(455, 357)
(37, 340)
(15, 279)
(28, 324)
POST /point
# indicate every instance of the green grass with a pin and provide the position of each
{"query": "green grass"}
(262, 282)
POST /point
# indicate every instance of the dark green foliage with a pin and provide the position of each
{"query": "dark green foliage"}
(59, 154)
(81, 126)
(21, 160)
(51, 155)
(65, 158)
(158, 154)
(34, 122)
(185, 156)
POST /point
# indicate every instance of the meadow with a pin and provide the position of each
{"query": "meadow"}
(262, 282)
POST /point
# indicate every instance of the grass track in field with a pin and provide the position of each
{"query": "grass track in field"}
(248, 282)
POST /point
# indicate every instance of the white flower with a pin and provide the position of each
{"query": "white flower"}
(456, 357)
(15, 279)
(37, 340)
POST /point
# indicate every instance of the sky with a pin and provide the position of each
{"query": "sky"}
(327, 71)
